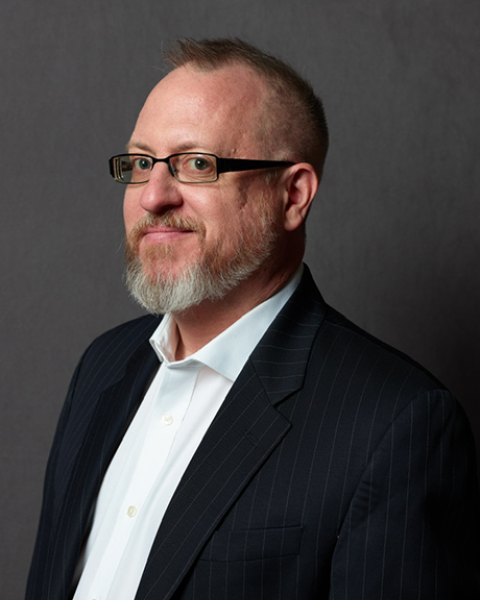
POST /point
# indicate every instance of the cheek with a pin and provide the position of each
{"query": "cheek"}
(132, 211)
(229, 224)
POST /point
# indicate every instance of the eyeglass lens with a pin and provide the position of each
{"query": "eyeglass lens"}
(188, 167)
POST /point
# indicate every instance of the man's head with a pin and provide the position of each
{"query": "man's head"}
(191, 243)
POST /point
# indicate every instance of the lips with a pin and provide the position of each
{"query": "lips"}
(164, 233)
(166, 229)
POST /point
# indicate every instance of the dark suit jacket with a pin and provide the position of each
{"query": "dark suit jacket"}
(336, 468)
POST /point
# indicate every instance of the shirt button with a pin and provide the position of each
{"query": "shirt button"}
(167, 420)
(132, 511)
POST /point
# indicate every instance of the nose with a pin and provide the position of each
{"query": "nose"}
(161, 192)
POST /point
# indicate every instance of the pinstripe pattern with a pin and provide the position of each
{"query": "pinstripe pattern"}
(335, 469)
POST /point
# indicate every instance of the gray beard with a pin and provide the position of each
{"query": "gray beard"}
(209, 278)
(166, 293)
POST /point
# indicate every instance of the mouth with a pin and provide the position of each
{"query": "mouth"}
(168, 228)
(165, 233)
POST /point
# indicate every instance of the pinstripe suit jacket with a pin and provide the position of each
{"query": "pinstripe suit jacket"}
(335, 469)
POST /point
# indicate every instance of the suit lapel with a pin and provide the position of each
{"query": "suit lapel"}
(234, 447)
(246, 430)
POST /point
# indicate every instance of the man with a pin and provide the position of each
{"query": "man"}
(253, 443)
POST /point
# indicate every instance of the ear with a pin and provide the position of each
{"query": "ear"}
(301, 187)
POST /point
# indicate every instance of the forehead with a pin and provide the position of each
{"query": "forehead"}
(216, 110)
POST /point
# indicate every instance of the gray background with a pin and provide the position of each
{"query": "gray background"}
(393, 238)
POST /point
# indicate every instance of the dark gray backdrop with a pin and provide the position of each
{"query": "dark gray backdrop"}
(393, 238)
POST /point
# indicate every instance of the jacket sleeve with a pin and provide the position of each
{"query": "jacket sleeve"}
(412, 529)
(36, 582)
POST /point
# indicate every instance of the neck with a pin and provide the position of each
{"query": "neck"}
(198, 325)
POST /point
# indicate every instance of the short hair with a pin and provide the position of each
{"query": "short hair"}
(295, 120)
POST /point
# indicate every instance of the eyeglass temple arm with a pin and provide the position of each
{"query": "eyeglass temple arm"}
(225, 165)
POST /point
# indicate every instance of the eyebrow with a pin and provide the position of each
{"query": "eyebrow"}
(138, 145)
(185, 147)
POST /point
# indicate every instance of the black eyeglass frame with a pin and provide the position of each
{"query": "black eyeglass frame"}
(223, 165)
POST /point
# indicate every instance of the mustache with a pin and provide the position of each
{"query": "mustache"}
(169, 219)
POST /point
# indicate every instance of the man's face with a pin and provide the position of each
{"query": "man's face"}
(215, 234)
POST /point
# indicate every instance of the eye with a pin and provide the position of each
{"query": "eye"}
(141, 163)
(195, 167)
(198, 163)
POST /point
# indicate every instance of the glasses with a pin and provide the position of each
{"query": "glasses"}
(187, 167)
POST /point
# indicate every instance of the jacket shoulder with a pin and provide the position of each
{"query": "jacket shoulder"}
(127, 336)
(376, 359)
(107, 356)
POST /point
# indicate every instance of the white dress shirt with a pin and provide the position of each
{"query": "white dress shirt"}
(177, 410)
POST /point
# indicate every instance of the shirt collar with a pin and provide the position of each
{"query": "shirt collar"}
(227, 353)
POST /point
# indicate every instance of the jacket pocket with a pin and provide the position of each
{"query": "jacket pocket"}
(253, 544)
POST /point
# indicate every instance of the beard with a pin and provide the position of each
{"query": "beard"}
(208, 276)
